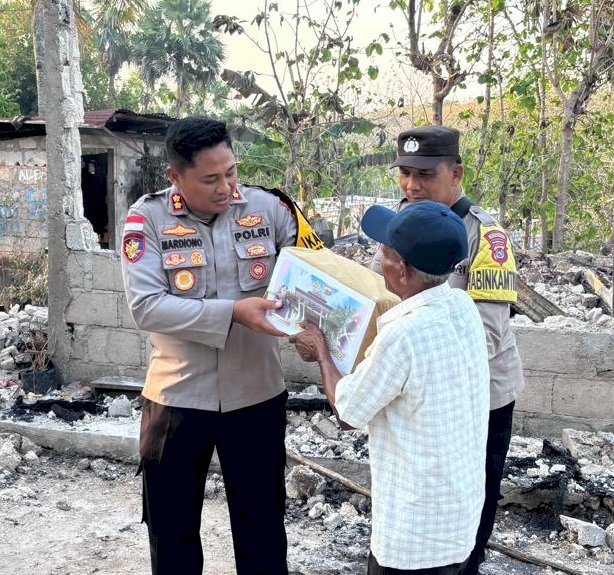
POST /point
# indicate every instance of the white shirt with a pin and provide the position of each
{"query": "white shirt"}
(423, 391)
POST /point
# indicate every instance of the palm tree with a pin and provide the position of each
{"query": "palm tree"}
(178, 39)
(115, 22)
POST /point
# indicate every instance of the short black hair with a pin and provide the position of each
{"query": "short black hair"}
(188, 136)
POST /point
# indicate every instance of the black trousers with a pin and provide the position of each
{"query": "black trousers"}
(376, 569)
(499, 436)
(176, 449)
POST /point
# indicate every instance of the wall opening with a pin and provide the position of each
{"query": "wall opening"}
(94, 182)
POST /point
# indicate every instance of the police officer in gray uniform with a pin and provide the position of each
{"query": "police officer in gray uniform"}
(430, 168)
(196, 260)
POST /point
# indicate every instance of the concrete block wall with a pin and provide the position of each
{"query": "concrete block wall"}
(569, 375)
(104, 339)
(23, 195)
(570, 381)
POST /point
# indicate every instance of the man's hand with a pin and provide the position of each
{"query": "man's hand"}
(310, 343)
(251, 312)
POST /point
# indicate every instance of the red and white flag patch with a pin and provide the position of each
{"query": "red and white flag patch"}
(134, 223)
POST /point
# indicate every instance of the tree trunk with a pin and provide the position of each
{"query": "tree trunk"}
(437, 106)
(564, 176)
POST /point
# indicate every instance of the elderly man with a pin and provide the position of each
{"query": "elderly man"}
(422, 390)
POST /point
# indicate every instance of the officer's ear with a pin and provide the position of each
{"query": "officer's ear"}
(457, 174)
(173, 174)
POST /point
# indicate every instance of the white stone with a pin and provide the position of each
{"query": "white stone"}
(588, 534)
(9, 457)
(609, 536)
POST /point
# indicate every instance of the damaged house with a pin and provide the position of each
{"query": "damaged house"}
(569, 372)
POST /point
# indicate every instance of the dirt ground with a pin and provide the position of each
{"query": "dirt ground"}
(58, 517)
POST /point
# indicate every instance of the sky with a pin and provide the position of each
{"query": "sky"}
(373, 18)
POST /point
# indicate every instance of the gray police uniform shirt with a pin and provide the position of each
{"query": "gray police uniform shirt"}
(182, 273)
(506, 373)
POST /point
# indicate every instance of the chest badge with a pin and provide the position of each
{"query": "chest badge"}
(256, 250)
(184, 280)
(174, 259)
(249, 221)
(133, 246)
(258, 270)
(197, 258)
(179, 230)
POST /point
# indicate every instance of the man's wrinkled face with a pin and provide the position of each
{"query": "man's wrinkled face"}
(208, 184)
(439, 184)
(393, 270)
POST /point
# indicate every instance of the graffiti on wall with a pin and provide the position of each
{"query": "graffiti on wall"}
(23, 203)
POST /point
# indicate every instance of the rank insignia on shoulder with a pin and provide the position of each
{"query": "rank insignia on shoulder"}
(174, 259)
(249, 221)
(258, 270)
(134, 223)
(236, 195)
(179, 230)
(177, 203)
(197, 257)
(256, 250)
(184, 280)
(133, 246)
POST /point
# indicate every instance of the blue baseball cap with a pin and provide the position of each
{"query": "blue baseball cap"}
(427, 235)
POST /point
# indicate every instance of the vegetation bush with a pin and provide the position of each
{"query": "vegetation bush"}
(23, 279)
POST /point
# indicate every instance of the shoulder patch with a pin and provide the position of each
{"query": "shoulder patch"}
(483, 217)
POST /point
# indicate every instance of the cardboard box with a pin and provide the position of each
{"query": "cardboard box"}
(340, 296)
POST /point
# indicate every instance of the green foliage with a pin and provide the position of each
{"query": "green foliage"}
(177, 39)
(17, 72)
(23, 278)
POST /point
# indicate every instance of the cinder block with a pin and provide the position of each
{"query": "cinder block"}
(104, 273)
(28, 143)
(551, 426)
(93, 308)
(125, 319)
(79, 269)
(114, 346)
(593, 399)
(78, 345)
(554, 351)
(537, 395)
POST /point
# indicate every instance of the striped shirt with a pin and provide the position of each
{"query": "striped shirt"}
(423, 392)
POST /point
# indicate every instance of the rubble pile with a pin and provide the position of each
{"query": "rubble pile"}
(579, 283)
(23, 337)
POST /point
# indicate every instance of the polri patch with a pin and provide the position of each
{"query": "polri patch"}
(184, 280)
(133, 246)
(258, 270)
(249, 221)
